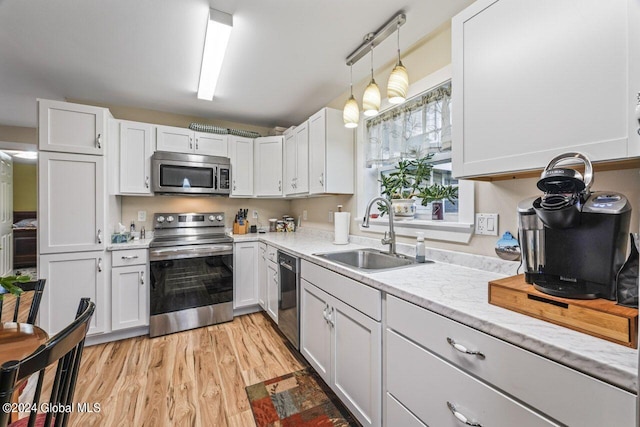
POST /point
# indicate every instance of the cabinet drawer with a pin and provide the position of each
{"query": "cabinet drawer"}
(360, 296)
(129, 257)
(577, 399)
(426, 385)
(398, 415)
(272, 253)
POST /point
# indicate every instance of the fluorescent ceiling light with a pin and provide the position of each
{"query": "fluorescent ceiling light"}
(215, 46)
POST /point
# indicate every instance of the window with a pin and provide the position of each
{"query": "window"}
(420, 126)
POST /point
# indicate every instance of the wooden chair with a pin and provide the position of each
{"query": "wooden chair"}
(65, 350)
(32, 292)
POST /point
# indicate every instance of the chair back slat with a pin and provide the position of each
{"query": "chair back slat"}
(23, 308)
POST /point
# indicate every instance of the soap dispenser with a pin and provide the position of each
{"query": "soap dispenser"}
(420, 247)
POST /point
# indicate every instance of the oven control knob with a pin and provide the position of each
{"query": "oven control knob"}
(160, 219)
(219, 218)
(212, 218)
(170, 218)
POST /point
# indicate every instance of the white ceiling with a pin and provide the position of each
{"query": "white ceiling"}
(285, 60)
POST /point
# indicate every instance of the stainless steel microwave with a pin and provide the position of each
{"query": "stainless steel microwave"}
(178, 173)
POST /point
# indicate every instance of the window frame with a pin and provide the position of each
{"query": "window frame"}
(459, 231)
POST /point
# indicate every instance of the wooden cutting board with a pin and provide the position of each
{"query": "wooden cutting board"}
(600, 317)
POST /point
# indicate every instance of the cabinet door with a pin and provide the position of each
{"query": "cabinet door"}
(71, 200)
(72, 276)
(273, 290)
(290, 163)
(135, 157)
(315, 330)
(241, 150)
(524, 92)
(302, 158)
(317, 152)
(268, 166)
(129, 295)
(211, 144)
(245, 274)
(173, 139)
(6, 214)
(357, 362)
(71, 128)
(262, 275)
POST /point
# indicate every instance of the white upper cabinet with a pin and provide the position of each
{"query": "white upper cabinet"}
(173, 139)
(241, 155)
(136, 148)
(211, 144)
(71, 128)
(71, 203)
(268, 166)
(296, 159)
(182, 140)
(331, 154)
(532, 80)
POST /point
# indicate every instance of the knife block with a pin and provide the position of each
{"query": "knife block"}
(241, 229)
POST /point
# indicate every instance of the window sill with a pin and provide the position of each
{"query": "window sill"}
(458, 232)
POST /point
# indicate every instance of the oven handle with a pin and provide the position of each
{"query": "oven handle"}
(195, 251)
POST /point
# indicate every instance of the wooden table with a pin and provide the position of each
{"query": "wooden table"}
(18, 340)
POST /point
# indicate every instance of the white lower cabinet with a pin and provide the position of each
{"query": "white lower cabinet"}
(71, 276)
(245, 274)
(432, 360)
(273, 290)
(341, 342)
(262, 275)
(129, 289)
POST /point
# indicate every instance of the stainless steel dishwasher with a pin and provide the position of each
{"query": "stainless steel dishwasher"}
(288, 298)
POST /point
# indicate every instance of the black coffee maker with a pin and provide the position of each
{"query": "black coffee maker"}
(573, 241)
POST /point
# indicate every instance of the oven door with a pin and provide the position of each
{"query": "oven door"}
(191, 286)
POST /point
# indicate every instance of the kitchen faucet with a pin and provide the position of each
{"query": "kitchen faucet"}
(391, 240)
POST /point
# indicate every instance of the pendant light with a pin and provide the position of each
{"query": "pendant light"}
(398, 80)
(371, 98)
(351, 112)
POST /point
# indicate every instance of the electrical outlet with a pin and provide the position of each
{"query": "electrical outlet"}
(142, 216)
(487, 224)
(255, 214)
(304, 215)
(330, 216)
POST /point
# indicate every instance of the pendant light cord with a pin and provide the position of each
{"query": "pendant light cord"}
(351, 78)
(372, 62)
(398, 31)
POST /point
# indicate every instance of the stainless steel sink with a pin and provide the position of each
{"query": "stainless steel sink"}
(369, 259)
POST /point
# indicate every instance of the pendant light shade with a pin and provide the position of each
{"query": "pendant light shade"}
(351, 111)
(371, 98)
(398, 84)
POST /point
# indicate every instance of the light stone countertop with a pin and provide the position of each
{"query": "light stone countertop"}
(452, 288)
(133, 244)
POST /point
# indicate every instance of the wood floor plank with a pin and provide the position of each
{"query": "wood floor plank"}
(191, 378)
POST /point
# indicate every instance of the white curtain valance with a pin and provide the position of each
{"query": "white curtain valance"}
(420, 126)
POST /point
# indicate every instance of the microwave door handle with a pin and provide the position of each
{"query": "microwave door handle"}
(215, 179)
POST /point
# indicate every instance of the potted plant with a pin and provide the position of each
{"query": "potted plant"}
(436, 194)
(7, 285)
(409, 181)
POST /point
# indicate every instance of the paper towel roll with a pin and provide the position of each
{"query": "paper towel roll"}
(341, 230)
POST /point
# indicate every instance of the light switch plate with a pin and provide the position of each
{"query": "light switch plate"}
(487, 224)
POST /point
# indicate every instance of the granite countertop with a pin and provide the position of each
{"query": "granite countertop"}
(452, 288)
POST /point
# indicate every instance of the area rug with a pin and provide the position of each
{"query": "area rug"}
(299, 399)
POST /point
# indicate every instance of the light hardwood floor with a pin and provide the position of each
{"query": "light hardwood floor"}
(191, 378)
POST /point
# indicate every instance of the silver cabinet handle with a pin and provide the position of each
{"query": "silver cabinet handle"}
(191, 143)
(321, 179)
(129, 257)
(142, 278)
(280, 185)
(196, 143)
(234, 185)
(461, 416)
(331, 322)
(99, 140)
(324, 313)
(146, 181)
(463, 349)
(99, 265)
(99, 236)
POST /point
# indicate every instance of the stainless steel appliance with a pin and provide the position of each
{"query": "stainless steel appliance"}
(573, 240)
(190, 174)
(191, 262)
(288, 300)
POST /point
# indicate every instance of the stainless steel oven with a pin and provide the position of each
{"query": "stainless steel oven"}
(191, 263)
(190, 174)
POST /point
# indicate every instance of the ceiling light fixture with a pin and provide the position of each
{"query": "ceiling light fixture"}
(215, 45)
(371, 97)
(351, 112)
(398, 83)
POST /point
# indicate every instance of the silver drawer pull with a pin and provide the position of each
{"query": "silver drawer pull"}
(99, 236)
(99, 265)
(461, 416)
(142, 278)
(99, 140)
(463, 349)
(129, 257)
